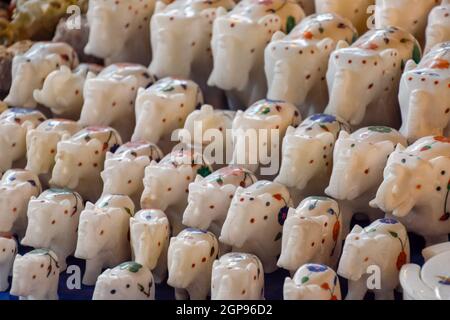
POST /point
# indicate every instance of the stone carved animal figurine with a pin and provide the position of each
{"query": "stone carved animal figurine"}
(312, 282)
(238, 42)
(166, 184)
(128, 281)
(8, 250)
(190, 260)
(359, 160)
(119, 30)
(315, 137)
(149, 237)
(415, 188)
(424, 95)
(79, 160)
(371, 67)
(383, 245)
(53, 222)
(36, 275)
(296, 64)
(438, 28)
(312, 233)
(237, 276)
(255, 220)
(30, 69)
(124, 169)
(109, 98)
(16, 189)
(103, 235)
(15, 123)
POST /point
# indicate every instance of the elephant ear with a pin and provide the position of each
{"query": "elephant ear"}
(342, 44)
(384, 148)
(410, 65)
(270, 22)
(389, 56)
(278, 35)
(159, 7)
(357, 229)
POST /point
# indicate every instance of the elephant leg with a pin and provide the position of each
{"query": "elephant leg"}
(181, 294)
(160, 272)
(356, 289)
(347, 216)
(432, 240)
(387, 294)
(198, 294)
(93, 270)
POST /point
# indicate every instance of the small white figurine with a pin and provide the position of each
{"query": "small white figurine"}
(8, 250)
(149, 238)
(190, 260)
(312, 282)
(381, 247)
(36, 275)
(128, 281)
(438, 28)
(237, 276)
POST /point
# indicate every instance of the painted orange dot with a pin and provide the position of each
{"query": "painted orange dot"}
(159, 244)
(418, 186)
(14, 209)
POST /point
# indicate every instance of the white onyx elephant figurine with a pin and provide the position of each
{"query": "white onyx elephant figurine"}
(312, 282)
(30, 69)
(315, 137)
(166, 184)
(166, 104)
(237, 276)
(103, 235)
(381, 248)
(357, 11)
(238, 41)
(410, 15)
(8, 250)
(128, 281)
(53, 222)
(36, 275)
(190, 259)
(258, 132)
(438, 28)
(16, 189)
(359, 159)
(119, 30)
(296, 64)
(15, 123)
(370, 69)
(149, 238)
(109, 98)
(416, 186)
(79, 160)
(312, 233)
(255, 220)
(124, 169)
(424, 95)
(42, 144)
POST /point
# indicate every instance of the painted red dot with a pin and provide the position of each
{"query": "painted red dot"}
(252, 220)
(204, 259)
(193, 265)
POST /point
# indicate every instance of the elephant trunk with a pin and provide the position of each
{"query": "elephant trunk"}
(417, 115)
(340, 104)
(225, 289)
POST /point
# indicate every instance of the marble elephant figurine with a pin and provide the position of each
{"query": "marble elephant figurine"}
(382, 246)
(103, 235)
(424, 95)
(36, 275)
(296, 64)
(128, 281)
(8, 250)
(42, 145)
(190, 260)
(371, 67)
(30, 69)
(264, 125)
(149, 238)
(166, 184)
(53, 222)
(312, 233)
(15, 123)
(119, 30)
(312, 282)
(79, 160)
(438, 28)
(255, 220)
(315, 137)
(238, 41)
(16, 189)
(124, 169)
(359, 159)
(109, 98)
(166, 104)
(237, 276)
(410, 15)
(357, 11)
(415, 188)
